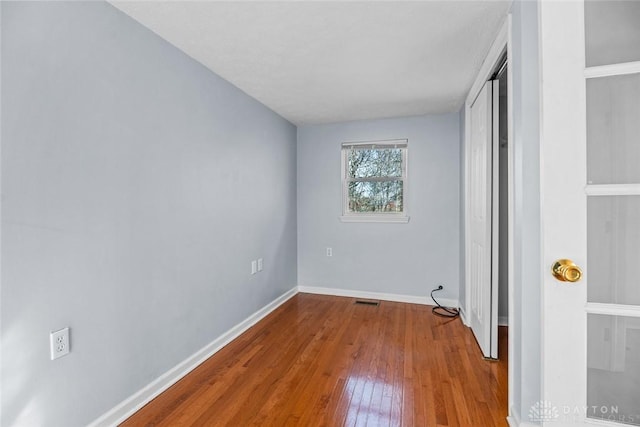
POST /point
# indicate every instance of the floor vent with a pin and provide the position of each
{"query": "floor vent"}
(367, 302)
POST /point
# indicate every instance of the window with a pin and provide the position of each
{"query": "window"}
(374, 177)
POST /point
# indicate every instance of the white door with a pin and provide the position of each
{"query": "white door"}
(590, 198)
(481, 314)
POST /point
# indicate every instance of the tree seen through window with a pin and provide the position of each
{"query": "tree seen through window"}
(375, 179)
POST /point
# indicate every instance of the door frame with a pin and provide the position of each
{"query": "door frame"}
(502, 43)
(482, 242)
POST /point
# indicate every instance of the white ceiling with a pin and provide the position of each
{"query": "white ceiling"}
(334, 61)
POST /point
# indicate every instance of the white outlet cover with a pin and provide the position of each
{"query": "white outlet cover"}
(260, 264)
(59, 343)
(254, 267)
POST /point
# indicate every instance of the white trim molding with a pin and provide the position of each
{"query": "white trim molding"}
(463, 316)
(132, 404)
(613, 309)
(391, 218)
(606, 423)
(612, 70)
(514, 423)
(513, 418)
(411, 299)
(612, 190)
(496, 51)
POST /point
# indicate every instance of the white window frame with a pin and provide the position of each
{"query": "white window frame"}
(396, 217)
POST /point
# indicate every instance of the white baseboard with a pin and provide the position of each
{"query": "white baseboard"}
(514, 423)
(514, 420)
(463, 317)
(412, 299)
(133, 403)
(502, 320)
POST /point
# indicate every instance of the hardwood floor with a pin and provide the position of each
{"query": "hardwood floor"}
(326, 361)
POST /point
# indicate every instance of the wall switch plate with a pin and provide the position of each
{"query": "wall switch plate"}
(329, 252)
(254, 267)
(59, 343)
(260, 264)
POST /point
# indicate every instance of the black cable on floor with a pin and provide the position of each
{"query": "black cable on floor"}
(440, 310)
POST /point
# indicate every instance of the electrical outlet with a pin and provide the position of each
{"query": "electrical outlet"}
(260, 264)
(254, 267)
(329, 252)
(59, 343)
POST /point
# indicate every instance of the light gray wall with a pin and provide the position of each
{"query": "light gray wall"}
(526, 322)
(407, 259)
(137, 186)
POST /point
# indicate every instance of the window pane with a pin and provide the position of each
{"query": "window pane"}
(611, 30)
(613, 250)
(613, 126)
(366, 163)
(367, 196)
(613, 368)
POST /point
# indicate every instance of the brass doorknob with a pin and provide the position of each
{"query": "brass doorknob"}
(566, 270)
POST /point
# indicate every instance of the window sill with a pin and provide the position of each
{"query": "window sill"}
(375, 218)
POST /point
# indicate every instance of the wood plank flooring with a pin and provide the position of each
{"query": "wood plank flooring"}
(325, 361)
